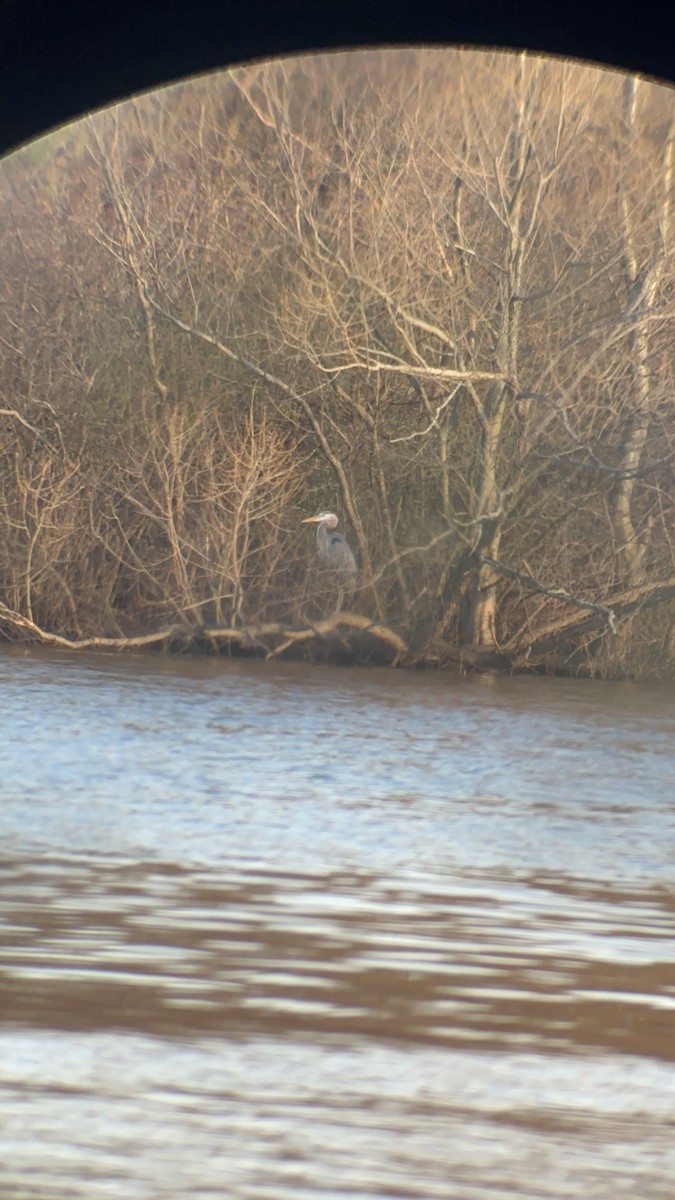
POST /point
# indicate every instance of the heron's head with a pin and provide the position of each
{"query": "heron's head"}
(329, 517)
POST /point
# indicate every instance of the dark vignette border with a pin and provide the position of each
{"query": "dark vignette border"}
(59, 58)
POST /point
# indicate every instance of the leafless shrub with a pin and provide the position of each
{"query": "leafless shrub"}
(433, 290)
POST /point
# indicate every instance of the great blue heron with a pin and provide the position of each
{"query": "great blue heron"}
(334, 552)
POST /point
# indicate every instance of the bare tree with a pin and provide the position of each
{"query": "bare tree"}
(431, 290)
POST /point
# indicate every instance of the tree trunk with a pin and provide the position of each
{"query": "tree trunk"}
(642, 284)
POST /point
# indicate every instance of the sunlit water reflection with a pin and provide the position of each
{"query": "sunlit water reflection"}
(269, 932)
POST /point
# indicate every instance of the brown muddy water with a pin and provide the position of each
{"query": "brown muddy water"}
(291, 933)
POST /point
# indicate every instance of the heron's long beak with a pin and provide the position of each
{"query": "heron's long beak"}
(309, 520)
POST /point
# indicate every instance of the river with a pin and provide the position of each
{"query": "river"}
(278, 932)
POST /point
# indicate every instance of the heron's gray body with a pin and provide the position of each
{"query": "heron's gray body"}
(334, 550)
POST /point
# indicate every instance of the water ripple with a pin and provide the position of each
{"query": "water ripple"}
(275, 931)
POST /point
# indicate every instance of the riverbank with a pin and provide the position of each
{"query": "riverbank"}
(342, 639)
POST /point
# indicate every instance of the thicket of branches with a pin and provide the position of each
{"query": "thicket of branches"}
(431, 290)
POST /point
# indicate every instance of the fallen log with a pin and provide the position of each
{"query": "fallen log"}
(355, 633)
(275, 639)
